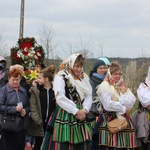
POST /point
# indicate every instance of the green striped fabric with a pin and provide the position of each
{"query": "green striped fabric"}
(68, 132)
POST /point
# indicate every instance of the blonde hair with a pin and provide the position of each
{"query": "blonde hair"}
(114, 67)
(49, 72)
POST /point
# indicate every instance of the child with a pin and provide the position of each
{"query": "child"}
(42, 104)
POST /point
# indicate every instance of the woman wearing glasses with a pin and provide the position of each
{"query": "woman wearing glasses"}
(117, 101)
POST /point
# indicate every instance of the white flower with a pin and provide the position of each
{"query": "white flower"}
(19, 53)
(33, 62)
(35, 57)
(38, 54)
(22, 56)
(25, 49)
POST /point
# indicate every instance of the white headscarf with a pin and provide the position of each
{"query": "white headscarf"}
(82, 86)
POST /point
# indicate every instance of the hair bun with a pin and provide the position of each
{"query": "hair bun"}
(114, 67)
(51, 68)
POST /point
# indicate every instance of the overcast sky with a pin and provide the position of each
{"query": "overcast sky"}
(119, 28)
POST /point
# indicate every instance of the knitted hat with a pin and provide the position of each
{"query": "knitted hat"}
(107, 62)
(148, 78)
(97, 64)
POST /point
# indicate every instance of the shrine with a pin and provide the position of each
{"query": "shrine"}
(27, 53)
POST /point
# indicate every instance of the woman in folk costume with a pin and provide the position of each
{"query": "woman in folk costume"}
(141, 117)
(117, 100)
(67, 128)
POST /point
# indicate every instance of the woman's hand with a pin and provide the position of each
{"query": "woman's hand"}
(81, 114)
(23, 112)
(34, 82)
(19, 108)
(148, 108)
(113, 98)
(127, 111)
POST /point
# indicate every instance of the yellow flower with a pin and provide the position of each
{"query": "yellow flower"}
(33, 74)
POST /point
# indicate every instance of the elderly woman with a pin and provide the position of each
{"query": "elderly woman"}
(23, 82)
(17, 105)
(117, 100)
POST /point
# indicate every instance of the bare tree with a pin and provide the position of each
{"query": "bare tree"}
(85, 47)
(100, 48)
(69, 49)
(143, 54)
(47, 35)
(3, 46)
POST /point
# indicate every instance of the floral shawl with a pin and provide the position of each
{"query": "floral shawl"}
(120, 87)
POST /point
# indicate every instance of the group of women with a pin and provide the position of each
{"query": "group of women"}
(62, 124)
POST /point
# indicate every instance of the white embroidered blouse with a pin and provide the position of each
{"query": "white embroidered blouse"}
(143, 93)
(67, 104)
(113, 101)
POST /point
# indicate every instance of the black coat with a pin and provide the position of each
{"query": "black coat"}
(94, 83)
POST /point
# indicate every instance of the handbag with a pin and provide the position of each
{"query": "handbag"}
(117, 125)
(90, 117)
(9, 123)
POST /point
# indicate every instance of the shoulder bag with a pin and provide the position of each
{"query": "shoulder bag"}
(117, 125)
(9, 123)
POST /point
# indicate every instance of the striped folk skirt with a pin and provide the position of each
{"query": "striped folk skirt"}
(65, 132)
(124, 139)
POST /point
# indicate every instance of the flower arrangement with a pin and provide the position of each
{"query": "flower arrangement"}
(30, 75)
(21, 41)
(30, 57)
(27, 54)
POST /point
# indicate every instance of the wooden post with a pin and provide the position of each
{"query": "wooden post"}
(21, 19)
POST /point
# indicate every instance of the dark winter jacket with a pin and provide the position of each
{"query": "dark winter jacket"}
(94, 83)
(38, 109)
(13, 97)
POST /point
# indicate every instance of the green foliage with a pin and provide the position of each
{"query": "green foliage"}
(135, 107)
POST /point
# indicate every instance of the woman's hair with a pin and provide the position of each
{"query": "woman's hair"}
(49, 72)
(15, 72)
(114, 67)
(16, 66)
(79, 60)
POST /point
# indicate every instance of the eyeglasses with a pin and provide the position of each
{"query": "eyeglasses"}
(117, 74)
